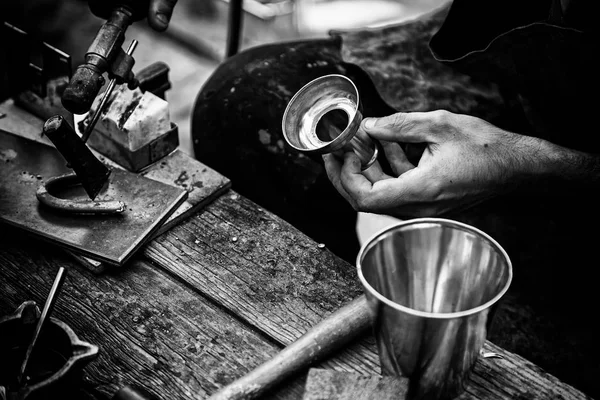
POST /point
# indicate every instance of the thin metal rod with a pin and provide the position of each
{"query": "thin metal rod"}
(48, 307)
(109, 89)
(96, 117)
(235, 25)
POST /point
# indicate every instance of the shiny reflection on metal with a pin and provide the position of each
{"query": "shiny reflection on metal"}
(309, 125)
(491, 354)
(432, 285)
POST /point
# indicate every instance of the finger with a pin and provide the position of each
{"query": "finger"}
(333, 168)
(375, 173)
(352, 180)
(159, 13)
(400, 127)
(396, 157)
(404, 195)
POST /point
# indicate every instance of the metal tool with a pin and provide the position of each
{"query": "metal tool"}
(37, 89)
(155, 78)
(92, 173)
(331, 334)
(112, 239)
(105, 97)
(57, 360)
(105, 54)
(47, 310)
(45, 196)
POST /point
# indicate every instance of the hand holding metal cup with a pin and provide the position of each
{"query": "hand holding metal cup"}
(324, 117)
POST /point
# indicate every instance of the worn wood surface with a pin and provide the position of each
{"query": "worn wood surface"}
(152, 330)
(337, 330)
(215, 297)
(212, 299)
(280, 282)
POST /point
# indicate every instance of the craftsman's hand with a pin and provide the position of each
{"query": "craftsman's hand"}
(465, 161)
(159, 13)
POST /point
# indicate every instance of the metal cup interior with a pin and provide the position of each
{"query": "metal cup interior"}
(435, 268)
(431, 285)
(323, 115)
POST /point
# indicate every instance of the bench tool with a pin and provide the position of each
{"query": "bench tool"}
(111, 238)
(325, 338)
(35, 75)
(41, 194)
(105, 55)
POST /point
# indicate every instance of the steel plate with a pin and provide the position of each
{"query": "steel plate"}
(24, 165)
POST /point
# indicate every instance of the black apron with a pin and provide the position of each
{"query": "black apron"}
(539, 54)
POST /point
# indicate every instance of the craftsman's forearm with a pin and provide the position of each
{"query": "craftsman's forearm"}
(561, 164)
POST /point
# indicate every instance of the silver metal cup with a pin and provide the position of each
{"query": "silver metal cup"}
(432, 285)
(324, 117)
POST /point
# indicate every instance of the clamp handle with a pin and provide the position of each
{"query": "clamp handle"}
(105, 54)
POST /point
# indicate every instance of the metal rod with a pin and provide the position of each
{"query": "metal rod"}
(105, 96)
(48, 307)
(235, 27)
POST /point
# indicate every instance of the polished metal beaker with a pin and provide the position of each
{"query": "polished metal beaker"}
(432, 285)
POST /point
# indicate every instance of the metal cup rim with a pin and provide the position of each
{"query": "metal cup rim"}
(334, 144)
(434, 315)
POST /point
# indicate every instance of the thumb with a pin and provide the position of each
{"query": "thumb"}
(159, 13)
(399, 127)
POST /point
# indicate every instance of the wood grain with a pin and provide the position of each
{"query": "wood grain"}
(244, 258)
(337, 330)
(152, 330)
(280, 282)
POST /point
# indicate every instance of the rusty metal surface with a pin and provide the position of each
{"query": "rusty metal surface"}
(111, 239)
(57, 184)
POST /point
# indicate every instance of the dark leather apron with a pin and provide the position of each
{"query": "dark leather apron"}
(538, 53)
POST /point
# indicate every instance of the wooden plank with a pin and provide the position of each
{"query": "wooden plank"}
(152, 329)
(202, 183)
(250, 261)
(278, 280)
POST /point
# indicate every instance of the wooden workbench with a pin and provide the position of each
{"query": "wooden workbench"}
(211, 299)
